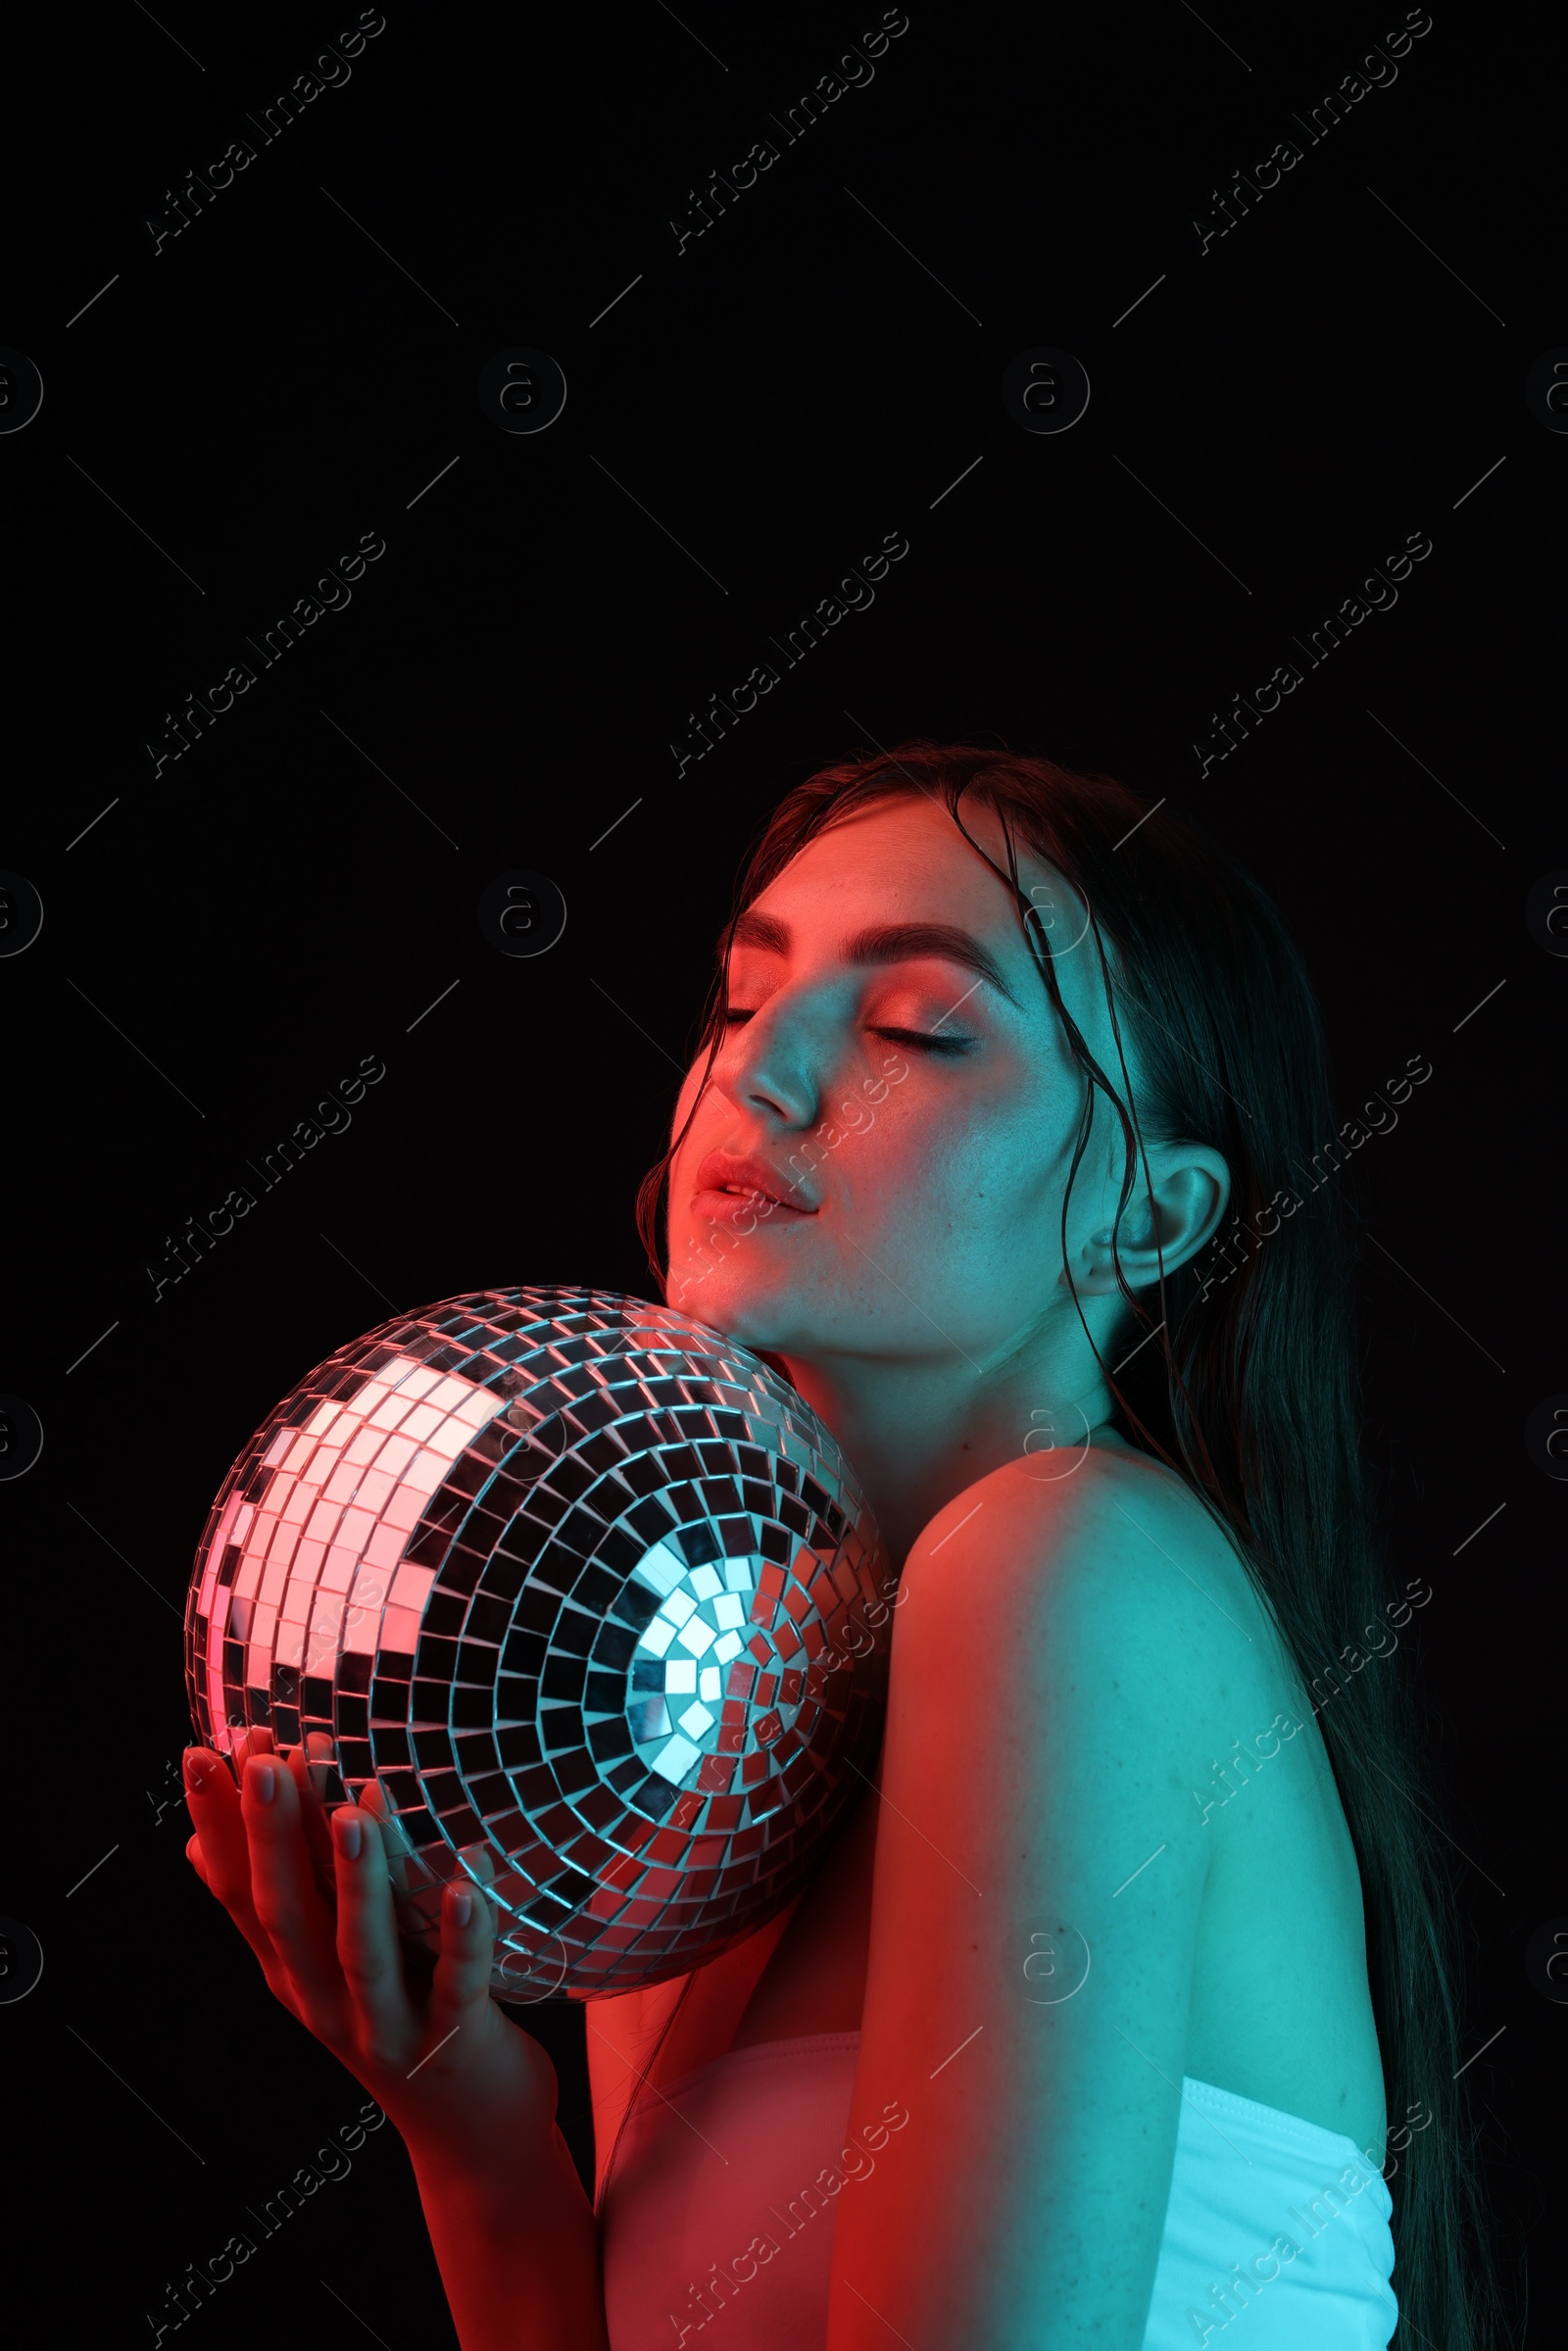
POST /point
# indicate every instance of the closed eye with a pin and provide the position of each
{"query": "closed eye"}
(931, 1045)
(914, 1037)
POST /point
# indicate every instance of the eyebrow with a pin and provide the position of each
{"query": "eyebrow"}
(881, 942)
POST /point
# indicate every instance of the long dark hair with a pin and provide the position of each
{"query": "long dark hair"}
(1242, 1380)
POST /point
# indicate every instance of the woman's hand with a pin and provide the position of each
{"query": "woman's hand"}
(463, 2084)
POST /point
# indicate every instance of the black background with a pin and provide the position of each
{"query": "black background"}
(242, 926)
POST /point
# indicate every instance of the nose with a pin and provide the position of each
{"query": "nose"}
(772, 1066)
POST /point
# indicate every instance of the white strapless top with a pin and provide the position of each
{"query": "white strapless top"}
(713, 2208)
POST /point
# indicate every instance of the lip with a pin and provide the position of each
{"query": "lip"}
(723, 1180)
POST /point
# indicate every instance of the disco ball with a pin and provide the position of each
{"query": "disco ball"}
(591, 1596)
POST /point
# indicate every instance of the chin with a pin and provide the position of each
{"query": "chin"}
(729, 1306)
(724, 1310)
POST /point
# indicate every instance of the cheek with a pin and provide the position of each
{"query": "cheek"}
(980, 1186)
(698, 1139)
(903, 1165)
(688, 1094)
(943, 1138)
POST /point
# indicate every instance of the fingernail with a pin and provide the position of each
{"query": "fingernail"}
(263, 1782)
(346, 1830)
(461, 1906)
(194, 1770)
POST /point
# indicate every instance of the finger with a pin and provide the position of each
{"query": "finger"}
(309, 1778)
(394, 1842)
(212, 1802)
(206, 1773)
(321, 1750)
(288, 1902)
(220, 1853)
(412, 1921)
(368, 1947)
(460, 1986)
(250, 1739)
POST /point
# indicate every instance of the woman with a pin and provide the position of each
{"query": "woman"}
(1089, 2027)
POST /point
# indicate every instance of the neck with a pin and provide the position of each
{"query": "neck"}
(915, 1441)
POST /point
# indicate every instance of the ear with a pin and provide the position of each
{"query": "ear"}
(1175, 1207)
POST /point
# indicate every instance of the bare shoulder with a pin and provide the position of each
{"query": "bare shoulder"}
(1116, 1554)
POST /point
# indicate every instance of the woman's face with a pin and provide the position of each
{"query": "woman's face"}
(916, 1117)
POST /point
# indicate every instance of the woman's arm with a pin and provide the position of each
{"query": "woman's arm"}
(518, 2253)
(474, 2097)
(1056, 1685)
